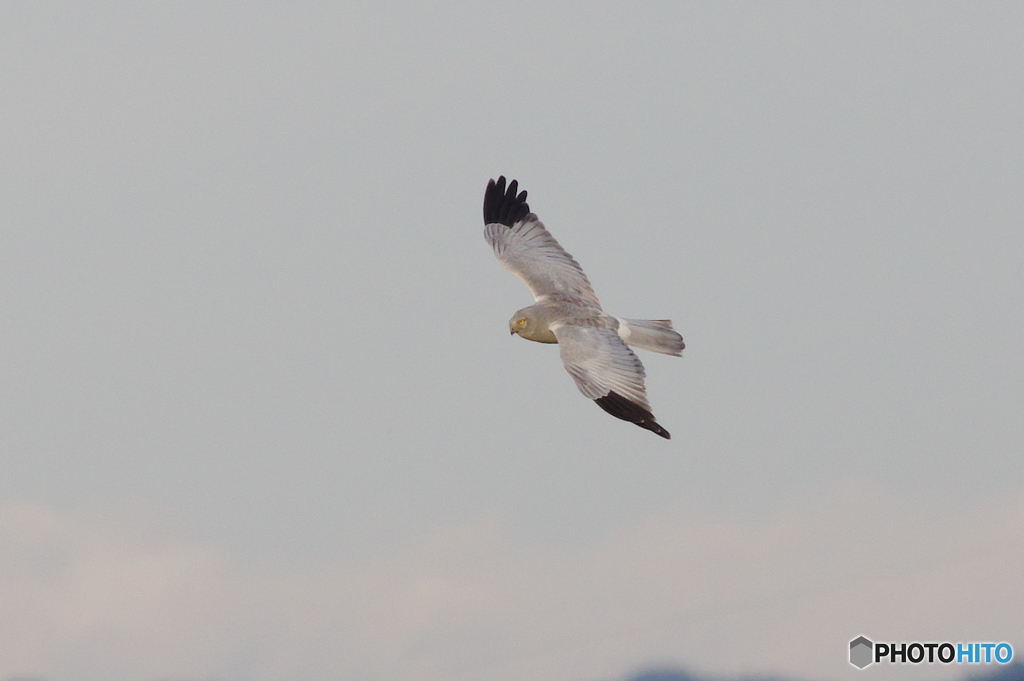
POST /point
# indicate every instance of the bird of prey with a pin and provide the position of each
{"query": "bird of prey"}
(593, 344)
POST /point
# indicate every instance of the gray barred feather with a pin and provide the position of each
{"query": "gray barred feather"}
(528, 250)
(656, 335)
(600, 363)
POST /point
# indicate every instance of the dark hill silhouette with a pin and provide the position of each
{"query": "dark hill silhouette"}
(1002, 672)
(994, 672)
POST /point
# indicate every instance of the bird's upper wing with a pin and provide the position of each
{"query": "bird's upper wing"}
(607, 371)
(528, 250)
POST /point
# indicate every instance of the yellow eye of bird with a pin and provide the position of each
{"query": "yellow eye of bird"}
(521, 321)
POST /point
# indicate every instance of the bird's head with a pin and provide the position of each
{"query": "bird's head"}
(521, 322)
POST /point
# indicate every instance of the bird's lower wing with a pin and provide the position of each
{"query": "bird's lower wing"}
(607, 371)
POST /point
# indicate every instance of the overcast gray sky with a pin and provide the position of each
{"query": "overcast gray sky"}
(262, 418)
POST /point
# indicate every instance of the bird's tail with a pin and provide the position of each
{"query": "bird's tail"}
(656, 335)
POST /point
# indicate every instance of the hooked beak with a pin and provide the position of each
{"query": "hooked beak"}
(511, 331)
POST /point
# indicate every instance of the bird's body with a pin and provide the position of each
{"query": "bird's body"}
(593, 343)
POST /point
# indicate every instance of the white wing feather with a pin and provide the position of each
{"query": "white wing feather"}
(528, 250)
(600, 362)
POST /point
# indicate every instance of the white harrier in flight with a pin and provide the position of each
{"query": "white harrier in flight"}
(593, 343)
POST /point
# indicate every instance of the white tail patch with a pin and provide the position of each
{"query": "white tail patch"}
(656, 335)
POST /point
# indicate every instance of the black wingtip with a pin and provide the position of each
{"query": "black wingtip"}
(504, 207)
(622, 408)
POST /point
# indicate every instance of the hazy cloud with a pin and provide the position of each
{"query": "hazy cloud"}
(89, 598)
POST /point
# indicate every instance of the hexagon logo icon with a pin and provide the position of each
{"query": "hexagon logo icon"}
(860, 652)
